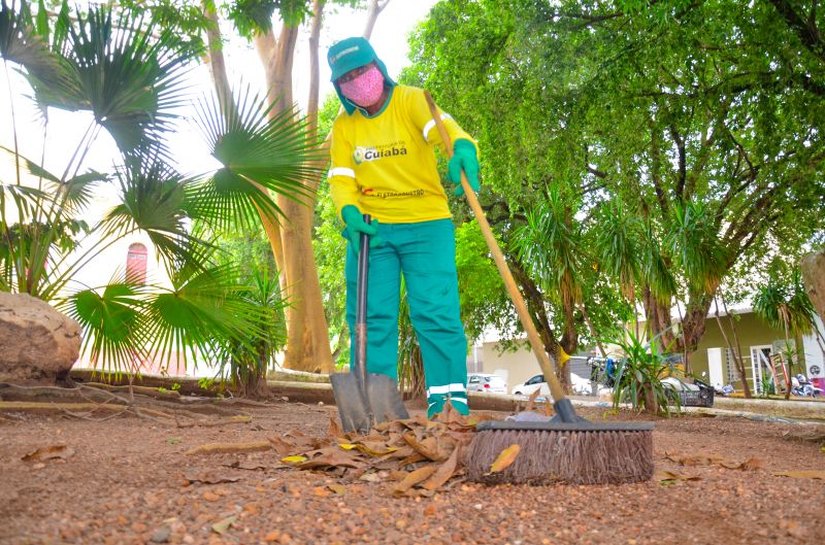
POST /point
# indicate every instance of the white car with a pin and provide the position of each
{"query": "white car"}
(486, 383)
(581, 386)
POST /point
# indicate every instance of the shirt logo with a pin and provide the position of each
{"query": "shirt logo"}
(364, 154)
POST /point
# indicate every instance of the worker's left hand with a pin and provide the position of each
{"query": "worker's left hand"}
(464, 158)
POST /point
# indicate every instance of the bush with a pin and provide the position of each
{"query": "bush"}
(639, 376)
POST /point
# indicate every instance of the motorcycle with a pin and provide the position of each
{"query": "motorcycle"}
(802, 387)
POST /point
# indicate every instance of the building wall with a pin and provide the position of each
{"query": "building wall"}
(750, 329)
(518, 366)
(515, 367)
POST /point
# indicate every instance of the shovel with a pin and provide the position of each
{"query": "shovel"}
(365, 399)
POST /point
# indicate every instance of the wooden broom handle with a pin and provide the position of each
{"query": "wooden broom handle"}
(545, 361)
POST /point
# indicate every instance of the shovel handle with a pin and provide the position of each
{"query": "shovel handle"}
(361, 306)
(545, 360)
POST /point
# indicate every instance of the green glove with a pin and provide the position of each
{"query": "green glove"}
(356, 225)
(464, 158)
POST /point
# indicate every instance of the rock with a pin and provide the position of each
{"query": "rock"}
(813, 276)
(38, 341)
(161, 535)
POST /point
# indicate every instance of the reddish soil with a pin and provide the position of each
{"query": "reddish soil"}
(127, 480)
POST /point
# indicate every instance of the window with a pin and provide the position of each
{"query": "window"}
(136, 262)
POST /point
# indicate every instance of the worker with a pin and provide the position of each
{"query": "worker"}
(383, 164)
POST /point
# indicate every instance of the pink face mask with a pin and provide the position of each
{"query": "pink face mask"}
(366, 88)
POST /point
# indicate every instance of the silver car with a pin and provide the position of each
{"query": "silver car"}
(486, 383)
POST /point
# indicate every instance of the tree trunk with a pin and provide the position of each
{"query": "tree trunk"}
(659, 322)
(694, 324)
(217, 63)
(307, 346)
(592, 330)
(737, 352)
(534, 300)
(813, 276)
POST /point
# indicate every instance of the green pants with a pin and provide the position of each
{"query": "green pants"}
(425, 254)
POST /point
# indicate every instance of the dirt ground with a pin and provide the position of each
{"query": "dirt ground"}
(121, 479)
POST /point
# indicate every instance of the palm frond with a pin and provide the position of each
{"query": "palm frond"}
(654, 268)
(112, 321)
(259, 153)
(693, 242)
(550, 245)
(24, 40)
(153, 200)
(616, 240)
(204, 311)
(72, 194)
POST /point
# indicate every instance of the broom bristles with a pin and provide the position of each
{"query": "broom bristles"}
(551, 456)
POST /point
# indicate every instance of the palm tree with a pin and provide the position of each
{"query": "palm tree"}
(786, 305)
(550, 245)
(130, 75)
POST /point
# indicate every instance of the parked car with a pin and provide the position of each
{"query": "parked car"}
(581, 386)
(482, 382)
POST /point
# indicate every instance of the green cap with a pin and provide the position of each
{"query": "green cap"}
(349, 54)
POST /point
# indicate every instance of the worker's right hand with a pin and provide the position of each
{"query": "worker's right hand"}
(355, 225)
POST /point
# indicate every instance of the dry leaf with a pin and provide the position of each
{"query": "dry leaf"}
(321, 492)
(413, 478)
(282, 447)
(427, 447)
(337, 488)
(803, 474)
(750, 464)
(531, 401)
(505, 458)
(375, 448)
(211, 478)
(48, 453)
(693, 460)
(334, 429)
(413, 458)
(221, 448)
(666, 475)
(370, 478)
(222, 526)
(247, 465)
(297, 459)
(330, 457)
(444, 472)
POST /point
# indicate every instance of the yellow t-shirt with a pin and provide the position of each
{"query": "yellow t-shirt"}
(385, 165)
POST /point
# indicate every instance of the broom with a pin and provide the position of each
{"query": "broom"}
(566, 448)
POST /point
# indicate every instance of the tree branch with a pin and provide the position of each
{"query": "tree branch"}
(806, 31)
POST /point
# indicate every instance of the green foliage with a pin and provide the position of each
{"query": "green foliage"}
(184, 17)
(689, 133)
(128, 73)
(639, 375)
(785, 304)
(482, 296)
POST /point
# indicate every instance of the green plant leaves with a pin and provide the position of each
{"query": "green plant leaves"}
(260, 151)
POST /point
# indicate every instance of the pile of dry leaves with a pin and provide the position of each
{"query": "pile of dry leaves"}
(416, 457)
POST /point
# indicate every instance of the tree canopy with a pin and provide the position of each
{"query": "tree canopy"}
(675, 139)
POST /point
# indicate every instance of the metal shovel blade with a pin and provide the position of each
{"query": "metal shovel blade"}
(384, 400)
(352, 408)
(365, 399)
